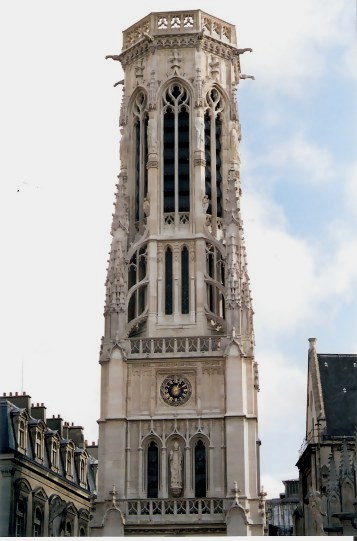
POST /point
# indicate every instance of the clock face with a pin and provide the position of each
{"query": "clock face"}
(176, 390)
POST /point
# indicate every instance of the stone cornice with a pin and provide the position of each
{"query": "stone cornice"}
(177, 41)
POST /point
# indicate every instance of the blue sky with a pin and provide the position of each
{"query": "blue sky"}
(59, 138)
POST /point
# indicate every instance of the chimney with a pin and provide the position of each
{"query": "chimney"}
(65, 430)
(20, 401)
(93, 450)
(56, 424)
(75, 433)
(39, 411)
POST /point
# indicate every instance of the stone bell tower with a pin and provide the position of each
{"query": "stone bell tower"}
(178, 439)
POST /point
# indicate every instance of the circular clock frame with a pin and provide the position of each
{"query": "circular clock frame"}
(176, 390)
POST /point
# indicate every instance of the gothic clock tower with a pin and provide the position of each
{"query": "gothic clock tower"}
(178, 427)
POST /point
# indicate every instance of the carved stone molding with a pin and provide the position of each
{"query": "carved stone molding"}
(152, 164)
(178, 41)
(199, 161)
(153, 84)
(7, 471)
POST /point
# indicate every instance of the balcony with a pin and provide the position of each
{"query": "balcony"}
(171, 510)
(196, 346)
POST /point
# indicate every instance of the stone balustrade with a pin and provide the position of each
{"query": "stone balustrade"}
(148, 510)
(169, 346)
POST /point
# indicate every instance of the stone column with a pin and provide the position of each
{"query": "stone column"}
(188, 493)
(164, 477)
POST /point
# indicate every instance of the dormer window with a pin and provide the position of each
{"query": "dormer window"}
(39, 445)
(54, 454)
(81, 460)
(52, 442)
(37, 430)
(20, 429)
(67, 456)
(69, 463)
(82, 470)
(22, 434)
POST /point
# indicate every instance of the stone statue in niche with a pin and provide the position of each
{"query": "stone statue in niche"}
(205, 203)
(317, 514)
(234, 144)
(123, 146)
(152, 138)
(146, 206)
(175, 459)
(200, 132)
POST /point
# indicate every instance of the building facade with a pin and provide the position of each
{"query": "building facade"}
(280, 511)
(47, 474)
(178, 427)
(328, 463)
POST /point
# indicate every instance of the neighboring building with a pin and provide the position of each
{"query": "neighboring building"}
(47, 476)
(178, 428)
(280, 510)
(327, 465)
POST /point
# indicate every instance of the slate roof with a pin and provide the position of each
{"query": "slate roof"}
(338, 376)
(8, 443)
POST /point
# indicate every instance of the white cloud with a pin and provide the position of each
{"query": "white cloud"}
(294, 279)
(339, 278)
(293, 53)
(281, 267)
(298, 153)
(283, 392)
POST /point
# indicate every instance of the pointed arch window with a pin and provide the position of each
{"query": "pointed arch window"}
(140, 154)
(213, 157)
(176, 154)
(152, 470)
(200, 469)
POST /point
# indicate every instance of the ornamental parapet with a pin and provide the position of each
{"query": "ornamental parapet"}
(179, 22)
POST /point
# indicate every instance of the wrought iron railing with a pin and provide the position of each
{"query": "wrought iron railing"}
(316, 436)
